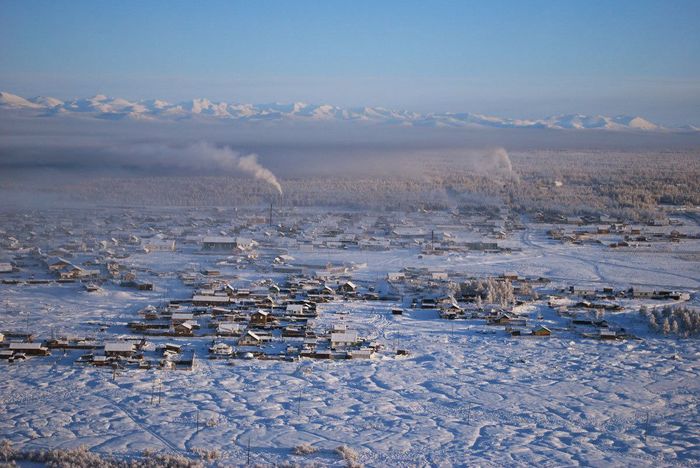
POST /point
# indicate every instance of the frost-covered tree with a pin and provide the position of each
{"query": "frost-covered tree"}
(666, 327)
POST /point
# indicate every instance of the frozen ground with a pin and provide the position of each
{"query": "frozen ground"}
(466, 394)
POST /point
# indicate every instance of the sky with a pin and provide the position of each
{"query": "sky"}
(507, 58)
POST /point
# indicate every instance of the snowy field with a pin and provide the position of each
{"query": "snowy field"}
(467, 394)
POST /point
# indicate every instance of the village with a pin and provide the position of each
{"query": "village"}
(227, 285)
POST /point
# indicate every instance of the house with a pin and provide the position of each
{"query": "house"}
(181, 317)
(6, 267)
(221, 349)
(261, 318)
(158, 245)
(295, 309)
(542, 331)
(202, 300)
(71, 271)
(184, 328)
(409, 232)
(500, 319)
(218, 243)
(394, 277)
(363, 353)
(324, 290)
(250, 339)
(36, 349)
(57, 263)
(119, 348)
(293, 332)
(243, 243)
(607, 334)
(347, 288)
(343, 339)
(229, 329)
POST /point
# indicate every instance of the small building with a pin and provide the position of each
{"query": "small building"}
(119, 348)
(250, 339)
(184, 328)
(343, 339)
(229, 329)
(158, 245)
(607, 334)
(295, 309)
(347, 288)
(501, 319)
(35, 349)
(363, 353)
(218, 243)
(181, 317)
(201, 300)
(395, 276)
(221, 349)
(542, 331)
(261, 318)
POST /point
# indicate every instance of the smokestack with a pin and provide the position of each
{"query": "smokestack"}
(270, 213)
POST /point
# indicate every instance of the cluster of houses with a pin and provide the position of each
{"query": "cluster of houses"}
(617, 235)
(268, 320)
(280, 319)
(64, 269)
(20, 346)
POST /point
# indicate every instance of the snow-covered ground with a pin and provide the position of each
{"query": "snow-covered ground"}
(467, 394)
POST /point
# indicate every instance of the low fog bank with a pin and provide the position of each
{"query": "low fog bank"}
(72, 160)
(288, 150)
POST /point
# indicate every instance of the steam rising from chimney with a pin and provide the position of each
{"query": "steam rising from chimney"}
(200, 156)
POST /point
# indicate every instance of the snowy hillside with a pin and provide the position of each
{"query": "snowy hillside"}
(104, 107)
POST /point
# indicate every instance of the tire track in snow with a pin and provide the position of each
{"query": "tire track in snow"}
(141, 425)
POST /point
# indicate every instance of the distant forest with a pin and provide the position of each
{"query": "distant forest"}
(623, 184)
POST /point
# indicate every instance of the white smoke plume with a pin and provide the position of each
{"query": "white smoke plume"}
(250, 165)
(200, 156)
(494, 162)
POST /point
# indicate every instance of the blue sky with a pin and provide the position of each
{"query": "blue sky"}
(512, 58)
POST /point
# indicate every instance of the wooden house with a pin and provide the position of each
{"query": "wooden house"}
(250, 338)
(261, 318)
(34, 349)
(119, 348)
(343, 339)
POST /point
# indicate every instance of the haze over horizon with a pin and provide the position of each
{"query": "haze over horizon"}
(511, 59)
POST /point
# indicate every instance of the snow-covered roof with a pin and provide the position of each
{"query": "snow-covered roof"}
(219, 240)
(344, 337)
(118, 346)
(18, 345)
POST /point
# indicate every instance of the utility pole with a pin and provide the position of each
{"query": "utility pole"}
(646, 427)
(299, 404)
(248, 462)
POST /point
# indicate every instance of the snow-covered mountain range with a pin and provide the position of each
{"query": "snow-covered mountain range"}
(103, 107)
